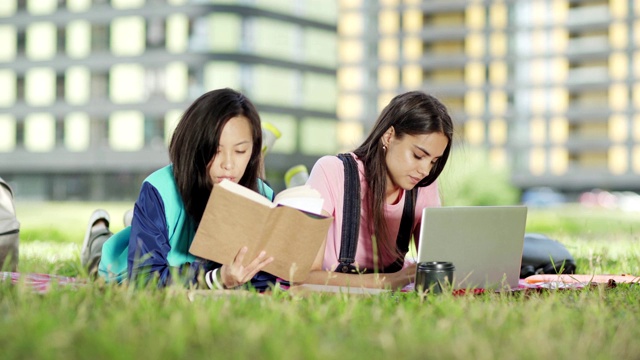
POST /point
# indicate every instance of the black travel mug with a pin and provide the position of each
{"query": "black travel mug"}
(433, 276)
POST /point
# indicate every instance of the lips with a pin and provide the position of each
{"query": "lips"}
(414, 180)
(230, 178)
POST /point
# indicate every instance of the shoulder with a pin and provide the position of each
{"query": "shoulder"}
(329, 162)
(162, 185)
(161, 175)
(327, 168)
(163, 180)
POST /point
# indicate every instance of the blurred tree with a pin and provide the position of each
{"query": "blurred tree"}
(469, 178)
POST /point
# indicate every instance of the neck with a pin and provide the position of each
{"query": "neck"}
(393, 192)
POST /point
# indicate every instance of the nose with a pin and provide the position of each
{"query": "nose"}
(227, 161)
(424, 170)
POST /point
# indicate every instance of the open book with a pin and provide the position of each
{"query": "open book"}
(236, 216)
(303, 197)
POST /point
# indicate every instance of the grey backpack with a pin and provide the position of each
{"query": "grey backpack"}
(9, 229)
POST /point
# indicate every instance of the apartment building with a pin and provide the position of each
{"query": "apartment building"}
(92, 89)
(546, 87)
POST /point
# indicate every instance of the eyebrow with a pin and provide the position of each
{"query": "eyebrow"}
(423, 150)
(240, 143)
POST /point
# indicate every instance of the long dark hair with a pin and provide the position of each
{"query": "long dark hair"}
(195, 142)
(412, 113)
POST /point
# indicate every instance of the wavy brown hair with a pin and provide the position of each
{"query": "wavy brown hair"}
(412, 113)
(195, 142)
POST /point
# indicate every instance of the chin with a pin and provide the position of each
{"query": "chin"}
(411, 186)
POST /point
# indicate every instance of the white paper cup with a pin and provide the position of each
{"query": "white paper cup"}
(296, 176)
(269, 136)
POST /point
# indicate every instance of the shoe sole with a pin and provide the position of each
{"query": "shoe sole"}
(95, 216)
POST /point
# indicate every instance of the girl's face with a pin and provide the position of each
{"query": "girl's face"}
(234, 151)
(410, 158)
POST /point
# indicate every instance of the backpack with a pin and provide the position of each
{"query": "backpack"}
(542, 255)
(9, 229)
(351, 221)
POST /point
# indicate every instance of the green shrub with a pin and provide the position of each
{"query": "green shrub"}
(470, 179)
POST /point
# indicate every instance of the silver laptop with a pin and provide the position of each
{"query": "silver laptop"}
(484, 243)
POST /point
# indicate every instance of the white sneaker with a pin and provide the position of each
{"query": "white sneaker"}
(127, 218)
(98, 214)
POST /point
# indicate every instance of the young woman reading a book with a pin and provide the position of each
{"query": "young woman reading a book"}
(218, 137)
(398, 162)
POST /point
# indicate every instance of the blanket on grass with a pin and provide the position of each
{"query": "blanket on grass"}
(42, 283)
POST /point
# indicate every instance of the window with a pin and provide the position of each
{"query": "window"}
(41, 40)
(61, 39)
(128, 36)
(99, 84)
(39, 132)
(155, 33)
(76, 131)
(99, 37)
(78, 38)
(7, 133)
(60, 86)
(8, 84)
(127, 84)
(154, 131)
(126, 131)
(40, 86)
(8, 42)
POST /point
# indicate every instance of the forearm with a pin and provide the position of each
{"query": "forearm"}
(392, 281)
(186, 274)
(142, 274)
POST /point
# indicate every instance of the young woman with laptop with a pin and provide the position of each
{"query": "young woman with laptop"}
(391, 176)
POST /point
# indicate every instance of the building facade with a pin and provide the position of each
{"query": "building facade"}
(92, 89)
(546, 87)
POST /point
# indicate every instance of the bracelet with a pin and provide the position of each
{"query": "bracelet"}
(207, 279)
(216, 280)
(211, 278)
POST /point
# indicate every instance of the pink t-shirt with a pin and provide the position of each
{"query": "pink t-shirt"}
(327, 176)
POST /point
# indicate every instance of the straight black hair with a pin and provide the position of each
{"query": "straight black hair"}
(195, 142)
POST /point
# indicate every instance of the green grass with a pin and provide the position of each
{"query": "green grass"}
(110, 322)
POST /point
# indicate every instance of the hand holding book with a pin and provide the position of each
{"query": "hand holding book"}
(236, 216)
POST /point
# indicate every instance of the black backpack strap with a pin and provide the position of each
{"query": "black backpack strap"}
(404, 233)
(350, 215)
(406, 223)
(351, 220)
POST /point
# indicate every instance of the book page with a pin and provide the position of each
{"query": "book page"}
(303, 198)
(245, 192)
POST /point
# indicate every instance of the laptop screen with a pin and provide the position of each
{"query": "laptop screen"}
(484, 243)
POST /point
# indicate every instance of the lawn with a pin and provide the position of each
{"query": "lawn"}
(110, 322)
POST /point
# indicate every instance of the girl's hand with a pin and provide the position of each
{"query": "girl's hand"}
(403, 277)
(236, 274)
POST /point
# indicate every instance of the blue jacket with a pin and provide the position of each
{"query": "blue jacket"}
(158, 240)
